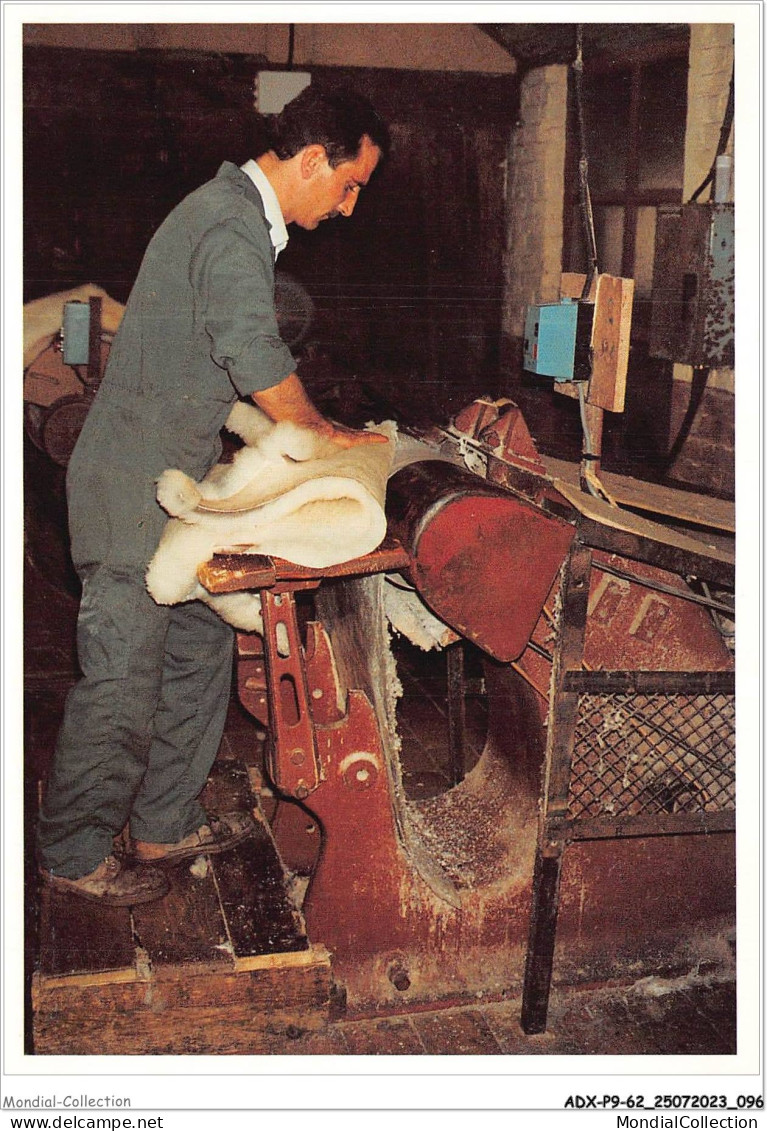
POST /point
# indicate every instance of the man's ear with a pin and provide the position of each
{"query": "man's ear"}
(313, 157)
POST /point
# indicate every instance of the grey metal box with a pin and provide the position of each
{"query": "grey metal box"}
(693, 297)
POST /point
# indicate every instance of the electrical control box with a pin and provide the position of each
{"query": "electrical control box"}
(693, 295)
(557, 340)
(75, 333)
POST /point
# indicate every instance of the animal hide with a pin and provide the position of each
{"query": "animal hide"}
(287, 493)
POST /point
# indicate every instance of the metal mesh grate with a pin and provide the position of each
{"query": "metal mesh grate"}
(645, 754)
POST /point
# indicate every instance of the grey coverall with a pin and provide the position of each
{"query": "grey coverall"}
(143, 725)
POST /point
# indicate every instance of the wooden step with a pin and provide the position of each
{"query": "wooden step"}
(220, 965)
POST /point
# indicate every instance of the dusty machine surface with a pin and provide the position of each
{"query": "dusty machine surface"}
(572, 852)
(571, 849)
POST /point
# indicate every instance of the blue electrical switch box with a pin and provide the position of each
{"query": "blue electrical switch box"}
(557, 340)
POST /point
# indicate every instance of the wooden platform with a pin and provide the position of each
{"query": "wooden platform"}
(219, 963)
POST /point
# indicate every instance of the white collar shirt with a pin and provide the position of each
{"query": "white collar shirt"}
(277, 229)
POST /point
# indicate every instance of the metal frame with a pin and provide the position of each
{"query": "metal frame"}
(557, 828)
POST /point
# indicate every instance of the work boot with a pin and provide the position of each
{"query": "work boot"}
(218, 834)
(114, 883)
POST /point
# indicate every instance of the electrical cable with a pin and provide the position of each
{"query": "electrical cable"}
(589, 476)
(584, 194)
(700, 375)
(661, 587)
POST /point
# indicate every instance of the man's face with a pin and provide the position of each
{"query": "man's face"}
(332, 192)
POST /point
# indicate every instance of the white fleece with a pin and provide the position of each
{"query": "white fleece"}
(286, 494)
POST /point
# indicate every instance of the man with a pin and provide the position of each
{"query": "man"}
(142, 727)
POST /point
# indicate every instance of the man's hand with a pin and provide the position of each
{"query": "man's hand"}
(345, 437)
(289, 401)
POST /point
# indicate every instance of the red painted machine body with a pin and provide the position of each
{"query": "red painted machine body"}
(424, 903)
(481, 558)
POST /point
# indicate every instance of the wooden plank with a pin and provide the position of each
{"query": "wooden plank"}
(228, 572)
(183, 1010)
(613, 299)
(700, 510)
(78, 937)
(221, 908)
(640, 544)
(254, 898)
(610, 342)
(187, 926)
(126, 975)
(228, 788)
(601, 526)
(289, 960)
(571, 285)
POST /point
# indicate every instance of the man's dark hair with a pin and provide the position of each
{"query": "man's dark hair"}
(336, 118)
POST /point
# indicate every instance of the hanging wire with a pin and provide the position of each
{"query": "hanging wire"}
(589, 476)
(584, 195)
(584, 422)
